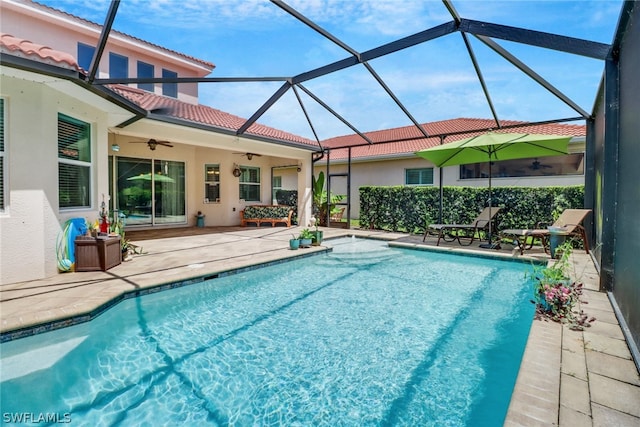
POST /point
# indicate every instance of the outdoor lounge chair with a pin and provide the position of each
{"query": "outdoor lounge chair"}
(337, 215)
(569, 223)
(467, 232)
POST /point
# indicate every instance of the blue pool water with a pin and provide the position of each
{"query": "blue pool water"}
(365, 335)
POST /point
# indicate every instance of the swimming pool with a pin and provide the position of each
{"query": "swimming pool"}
(365, 335)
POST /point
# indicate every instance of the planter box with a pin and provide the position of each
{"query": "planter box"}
(97, 254)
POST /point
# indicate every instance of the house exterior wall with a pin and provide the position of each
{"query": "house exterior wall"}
(62, 33)
(32, 220)
(226, 212)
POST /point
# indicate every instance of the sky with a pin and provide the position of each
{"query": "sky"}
(434, 80)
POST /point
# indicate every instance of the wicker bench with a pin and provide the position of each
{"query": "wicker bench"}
(266, 214)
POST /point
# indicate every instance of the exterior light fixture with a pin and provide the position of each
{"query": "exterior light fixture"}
(236, 171)
(115, 147)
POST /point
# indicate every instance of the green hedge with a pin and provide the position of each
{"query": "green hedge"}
(408, 209)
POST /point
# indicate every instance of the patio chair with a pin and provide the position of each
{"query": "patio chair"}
(569, 223)
(467, 232)
(337, 215)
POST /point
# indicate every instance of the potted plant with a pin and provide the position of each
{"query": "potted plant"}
(306, 237)
(317, 235)
(200, 219)
(294, 243)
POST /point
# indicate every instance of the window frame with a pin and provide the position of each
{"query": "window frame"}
(3, 156)
(112, 70)
(215, 182)
(169, 89)
(84, 49)
(245, 172)
(87, 166)
(276, 184)
(421, 176)
(149, 87)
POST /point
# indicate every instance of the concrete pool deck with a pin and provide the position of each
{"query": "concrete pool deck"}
(567, 378)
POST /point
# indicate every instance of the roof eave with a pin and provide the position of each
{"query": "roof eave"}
(227, 131)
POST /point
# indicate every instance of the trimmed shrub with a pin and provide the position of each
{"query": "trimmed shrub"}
(410, 209)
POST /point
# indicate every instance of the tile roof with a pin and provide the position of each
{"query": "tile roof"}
(147, 100)
(203, 114)
(409, 139)
(37, 52)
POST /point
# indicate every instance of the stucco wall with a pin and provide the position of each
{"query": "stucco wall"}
(31, 223)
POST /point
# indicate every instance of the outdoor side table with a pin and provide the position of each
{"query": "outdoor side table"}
(557, 236)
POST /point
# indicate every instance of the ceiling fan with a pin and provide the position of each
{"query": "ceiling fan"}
(249, 155)
(536, 165)
(152, 143)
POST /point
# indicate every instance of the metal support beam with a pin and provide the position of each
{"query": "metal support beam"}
(338, 116)
(131, 80)
(441, 183)
(537, 38)
(590, 180)
(395, 99)
(102, 41)
(610, 174)
(404, 43)
(283, 89)
(409, 41)
(300, 17)
(480, 78)
(535, 76)
(306, 114)
(349, 190)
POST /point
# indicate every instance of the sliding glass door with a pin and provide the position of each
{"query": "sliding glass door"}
(150, 192)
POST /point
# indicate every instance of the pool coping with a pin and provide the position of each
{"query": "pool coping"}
(80, 318)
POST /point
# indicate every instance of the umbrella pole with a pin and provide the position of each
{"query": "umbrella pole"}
(489, 244)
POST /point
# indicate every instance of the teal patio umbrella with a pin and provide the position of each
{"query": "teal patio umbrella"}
(492, 146)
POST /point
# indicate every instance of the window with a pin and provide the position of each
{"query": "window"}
(145, 70)
(2, 157)
(250, 183)
(169, 89)
(571, 164)
(118, 66)
(74, 163)
(85, 55)
(422, 176)
(276, 184)
(212, 183)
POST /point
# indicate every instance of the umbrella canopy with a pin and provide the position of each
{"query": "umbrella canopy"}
(147, 177)
(496, 146)
(490, 147)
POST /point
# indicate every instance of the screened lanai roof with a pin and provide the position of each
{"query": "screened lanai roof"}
(391, 79)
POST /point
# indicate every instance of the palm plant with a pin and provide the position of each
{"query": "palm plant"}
(321, 206)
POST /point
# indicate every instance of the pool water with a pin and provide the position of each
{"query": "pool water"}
(364, 335)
